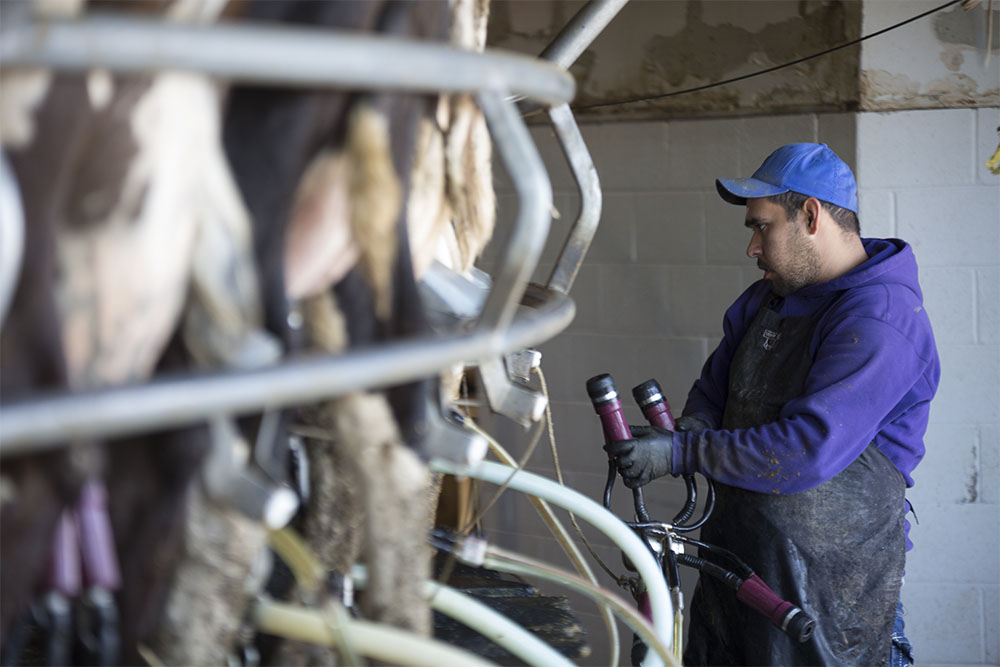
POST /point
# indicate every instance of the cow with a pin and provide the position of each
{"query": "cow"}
(175, 223)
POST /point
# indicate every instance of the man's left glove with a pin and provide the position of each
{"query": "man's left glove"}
(648, 455)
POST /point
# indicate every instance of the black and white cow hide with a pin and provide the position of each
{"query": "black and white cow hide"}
(150, 249)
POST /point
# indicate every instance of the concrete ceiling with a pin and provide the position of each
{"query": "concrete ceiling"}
(658, 47)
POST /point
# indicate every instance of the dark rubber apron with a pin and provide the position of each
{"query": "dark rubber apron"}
(836, 551)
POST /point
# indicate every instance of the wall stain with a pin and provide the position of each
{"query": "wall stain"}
(966, 28)
(661, 47)
(952, 58)
(723, 49)
(882, 90)
(972, 488)
(703, 53)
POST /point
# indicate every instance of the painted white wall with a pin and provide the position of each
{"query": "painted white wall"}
(668, 259)
(936, 62)
(922, 176)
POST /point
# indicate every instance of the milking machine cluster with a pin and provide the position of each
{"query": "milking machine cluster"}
(666, 541)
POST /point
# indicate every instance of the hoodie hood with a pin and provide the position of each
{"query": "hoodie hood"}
(889, 261)
(891, 264)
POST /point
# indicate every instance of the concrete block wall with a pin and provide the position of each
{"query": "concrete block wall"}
(669, 257)
(922, 174)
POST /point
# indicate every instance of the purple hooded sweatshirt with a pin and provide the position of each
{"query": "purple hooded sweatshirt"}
(874, 371)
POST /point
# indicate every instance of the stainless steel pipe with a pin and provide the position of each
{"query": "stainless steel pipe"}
(526, 239)
(591, 200)
(294, 56)
(168, 402)
(306, 57)
(581, 31)
(11, 235)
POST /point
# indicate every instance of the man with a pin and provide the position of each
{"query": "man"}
(809, 416)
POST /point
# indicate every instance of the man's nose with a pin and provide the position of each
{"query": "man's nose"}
(753, 250)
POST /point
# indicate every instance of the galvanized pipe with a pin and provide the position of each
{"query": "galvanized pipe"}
(534, 192)
(293, 56)
(568, 45)
(304, 57)
(11, 235)
(44, 423)
(581, 31)
(591, 199)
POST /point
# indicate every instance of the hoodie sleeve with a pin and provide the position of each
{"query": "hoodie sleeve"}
(864, 368)
(707, 398)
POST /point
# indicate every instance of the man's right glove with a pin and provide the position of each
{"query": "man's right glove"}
(647, 455)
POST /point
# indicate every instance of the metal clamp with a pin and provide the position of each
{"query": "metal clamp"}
(508, 398)
(522, 363)
(230, 482)
(447, 438)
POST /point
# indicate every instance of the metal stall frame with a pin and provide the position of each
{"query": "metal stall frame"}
(11, 235)
(504, 395)
(307, 57)
(563, 51)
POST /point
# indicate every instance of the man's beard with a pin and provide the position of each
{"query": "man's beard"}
(801, 267)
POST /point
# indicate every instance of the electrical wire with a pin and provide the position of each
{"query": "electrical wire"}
(768, 70)
(503, 487)
(465, 529)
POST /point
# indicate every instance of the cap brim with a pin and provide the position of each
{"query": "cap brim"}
(738, 190)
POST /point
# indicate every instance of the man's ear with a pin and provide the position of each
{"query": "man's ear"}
(812, 209)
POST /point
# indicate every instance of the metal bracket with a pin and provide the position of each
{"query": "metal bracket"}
(451, 298)
(229, 482)
(448, 439)
(509, 398)
(520, 364)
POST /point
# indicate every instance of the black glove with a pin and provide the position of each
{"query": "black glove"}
(691, 423)
(648, 455)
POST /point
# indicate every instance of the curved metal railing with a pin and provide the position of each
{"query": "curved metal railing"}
(307, 57)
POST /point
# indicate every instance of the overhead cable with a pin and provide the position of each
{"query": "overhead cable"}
(769, 69)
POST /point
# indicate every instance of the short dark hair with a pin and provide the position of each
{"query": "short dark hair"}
(792, 202)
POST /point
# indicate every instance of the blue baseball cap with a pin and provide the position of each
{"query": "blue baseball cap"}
(809, 169)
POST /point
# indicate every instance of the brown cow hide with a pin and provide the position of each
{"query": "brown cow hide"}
(386, 488)
(132, 222)
(135, 226)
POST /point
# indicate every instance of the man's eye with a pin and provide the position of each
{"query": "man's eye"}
(759, 227)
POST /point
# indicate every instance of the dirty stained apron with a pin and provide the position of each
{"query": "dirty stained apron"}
(836, 551)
